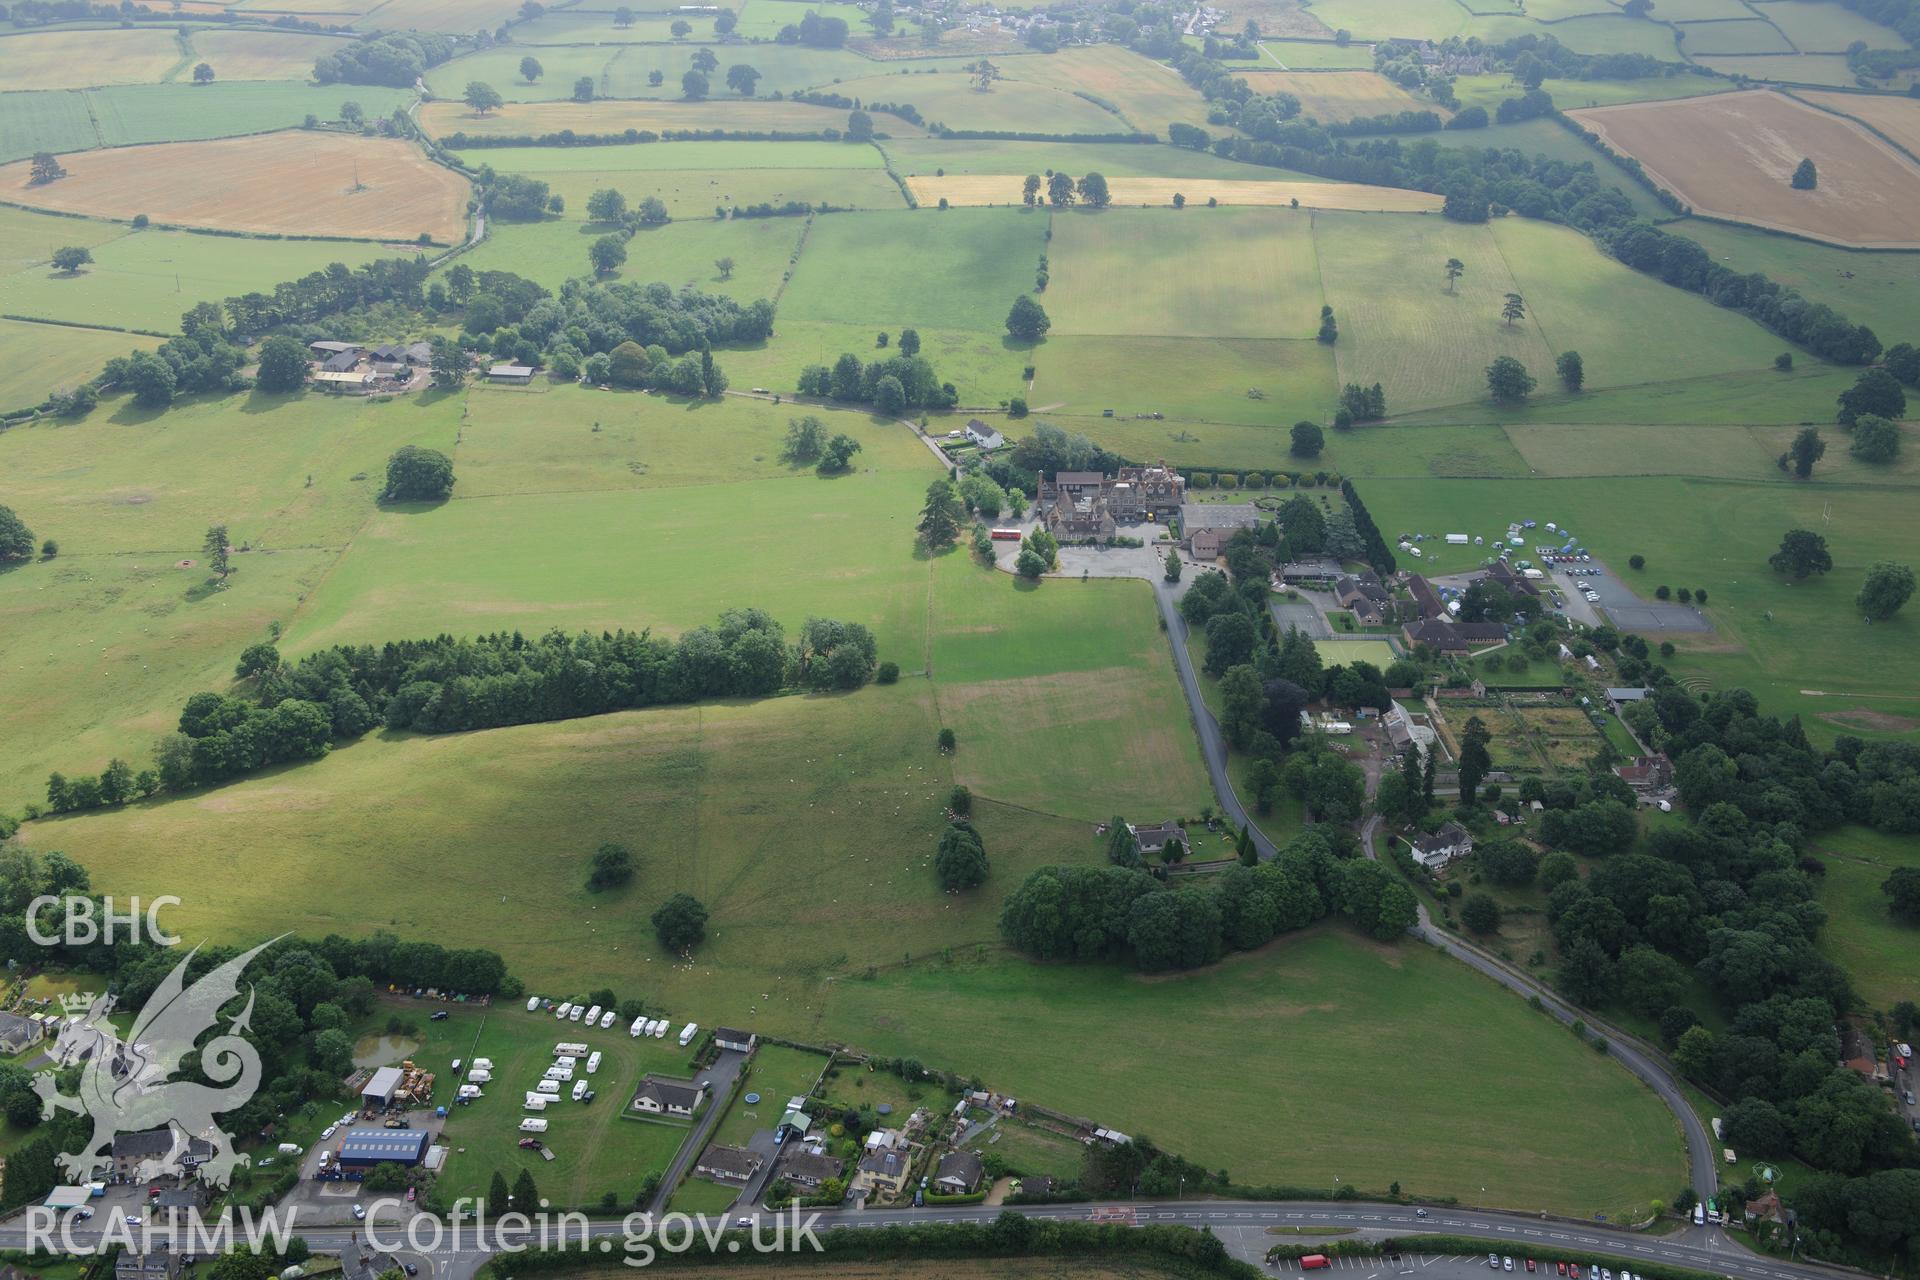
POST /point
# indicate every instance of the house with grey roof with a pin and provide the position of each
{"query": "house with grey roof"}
(959, 1173)
(662, 1097)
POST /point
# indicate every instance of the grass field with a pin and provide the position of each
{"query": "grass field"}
(147, 279)
(1880, 290)
(872, 269)
(1248, 273)
(622, 71)
(1796, 68)
(1316, 55)
(757, 115)
(1304, 1007)
(681, 253)
(1085, 375)
(1148, 94)
(1731, 155)
(75, 120)
(452, 16)
(38, 358)
(1749, 36)
(1490, 90)
(985, 366)
(1862, 935)
(1759, 397)
(278, 184)
(928, 157)
(949, 98)
(1334, 97)
(763, 19)
(1005, 189)
(78, 59)
(1825, 28)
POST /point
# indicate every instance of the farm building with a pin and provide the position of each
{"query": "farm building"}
(656, 1096)
(1154, 839)
(984, 437)
(364, 1148)
(322, 350)
(1437, 850)
(419, 353)
(959, 1173)
(341, 362)
(348, 381)
(728, 1164)
(18, 1033)
(514, 374)
(738, 1041)
(380, 1090)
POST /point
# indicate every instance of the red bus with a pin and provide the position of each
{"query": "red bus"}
(1006, 535)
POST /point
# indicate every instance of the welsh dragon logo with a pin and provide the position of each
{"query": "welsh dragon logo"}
(125, 1086)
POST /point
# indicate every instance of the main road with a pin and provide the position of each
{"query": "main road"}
(1242, 1224)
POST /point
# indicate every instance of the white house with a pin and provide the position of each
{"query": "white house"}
(984, 437)
(1436, 851)
(659, 1097)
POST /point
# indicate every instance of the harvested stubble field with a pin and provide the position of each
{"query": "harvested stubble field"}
(1004, 188)
(1149, 94)
(262, 55)
(79, 59)
(1731, 155)
(279, 184)
(1333, 97)
(535, 118)
(1897, 118)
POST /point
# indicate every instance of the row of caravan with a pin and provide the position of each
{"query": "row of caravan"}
(592, 1016)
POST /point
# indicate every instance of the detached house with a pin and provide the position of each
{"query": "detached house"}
(728, 1164)
(1088, 506)
(959, 1174)
(883, 1172)
(984, 437)
(1437, 850)
(1154, 839)
(1647, 773)
(659, 1097)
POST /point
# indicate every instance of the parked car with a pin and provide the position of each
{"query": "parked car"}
(1493, 1262)
(410, 1195)
(1563, 1268)
(1506, 1264)
(440, 1015)
(1530, 1265)
(133, 1220)
(359, 1213)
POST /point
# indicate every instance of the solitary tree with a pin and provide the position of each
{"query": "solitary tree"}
(1059, 190)
(693, 86)
(415, 474)
(725, 23)
(680, 924)
(1093, 192)
(1805, 177)
(704, 60)
(1807, 448)
(70, 258)
(741, 78)
(1508, 380)
(483, 97)
(940, 518)
(352, 113)
(606, 254)
(725, 267)
(1308, 440)
(1514, 308)
(583, 89)
(909, 342)
(623, 16)
(1030, 189)
(1801, 552)
(681, 28)
(1572, 371)
(1888, 586)
(46, 168)
(215, 547)
(530, 69)
(612, 867)
(1455, 269)
(1027, 319)
(859, 126)
(606, 205)
(1173, 565)
(16, 540)
(203, 73)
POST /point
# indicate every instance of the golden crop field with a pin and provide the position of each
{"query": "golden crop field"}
(294, 183)
(82, 59)
(1333, 97)
(1897, 118)
(534, 118)
(262, 55)
(1149, 94)
(987, 189)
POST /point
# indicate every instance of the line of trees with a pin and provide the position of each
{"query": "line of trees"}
(1126, 914)
(892, 385)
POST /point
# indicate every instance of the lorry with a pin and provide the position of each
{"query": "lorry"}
(687, 1033)
(533, 1124)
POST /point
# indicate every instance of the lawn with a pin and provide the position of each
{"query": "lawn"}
(1247, 273)
(1340, 652)
(148, 279)
(1303, 1009)
(776, 1073)
(875, 269)
(1862, 934)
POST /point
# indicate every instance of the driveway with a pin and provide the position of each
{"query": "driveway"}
(721, 1078)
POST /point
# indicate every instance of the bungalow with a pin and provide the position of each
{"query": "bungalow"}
(513, 374)
(883, 1171)
(1365, 596)
(1207, 544)
(1647, 773)
(959, 1174)
(1154, 839)
(1425, 598)
(659, 1097)
(728, 1164)
(808, 1169)
(737, 1041)
(1437, 850)
(984, 437)
(18, 1033)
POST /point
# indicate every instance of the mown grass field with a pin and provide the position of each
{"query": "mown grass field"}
(38, 358)
(1255, 383)
(622, 71)
(1334, 97)
(1745, 36)
(879, 269)
(1880, 290)
(1305, 1008)
(147, 279)
(949, 98)
(1250, 273)
(1490, 91)
(1315, 55)
(73, 120)
(681, 253)
(759, 115)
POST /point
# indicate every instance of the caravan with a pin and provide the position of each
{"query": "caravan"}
(687, 1033)
(536, 1102)
(593, 1015)
(533, 1124)
(562, 1010)
(579, 1090)
(593, 1062)
(533, 1004)
(639, 1027)
(549, 1087)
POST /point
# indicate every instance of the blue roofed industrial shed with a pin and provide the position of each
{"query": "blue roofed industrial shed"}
(362, 1148)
